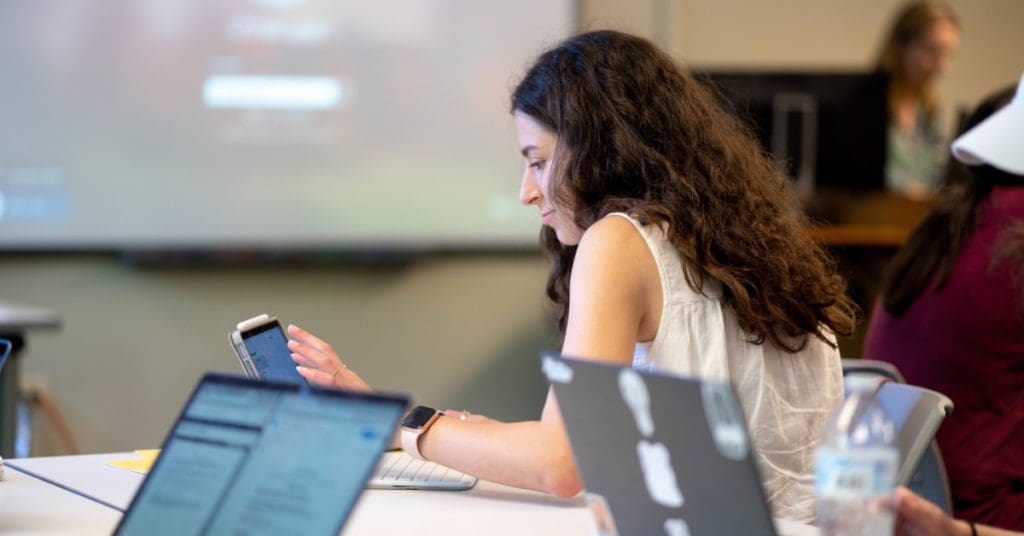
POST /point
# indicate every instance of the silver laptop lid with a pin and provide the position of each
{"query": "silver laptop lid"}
(664, 454)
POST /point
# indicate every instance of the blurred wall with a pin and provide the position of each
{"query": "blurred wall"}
(458, 331)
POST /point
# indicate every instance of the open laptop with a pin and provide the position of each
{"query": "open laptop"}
(661, 454)
(258, 457)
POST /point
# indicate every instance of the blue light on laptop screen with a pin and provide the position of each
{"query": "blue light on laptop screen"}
(258, 461)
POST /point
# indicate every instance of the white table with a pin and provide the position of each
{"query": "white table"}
(490, 509)
(31, 506)
(87, 475)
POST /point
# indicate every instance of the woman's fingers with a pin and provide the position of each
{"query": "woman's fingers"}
(302, 360)
(915, 515)
(307, 338)
(318, 353)
(319, 364)
(315, 376)
(341, 378)
(316, 358)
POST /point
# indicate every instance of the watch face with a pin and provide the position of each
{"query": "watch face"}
(418, 417)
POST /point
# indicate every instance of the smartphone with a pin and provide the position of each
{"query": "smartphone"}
(262, 350)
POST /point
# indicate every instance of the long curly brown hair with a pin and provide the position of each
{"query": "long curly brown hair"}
(637, 133)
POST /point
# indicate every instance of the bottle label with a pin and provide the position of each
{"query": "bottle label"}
(860, 473)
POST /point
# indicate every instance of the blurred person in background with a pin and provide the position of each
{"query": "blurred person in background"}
(916, 52)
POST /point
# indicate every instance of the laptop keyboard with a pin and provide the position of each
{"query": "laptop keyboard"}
(398, 469)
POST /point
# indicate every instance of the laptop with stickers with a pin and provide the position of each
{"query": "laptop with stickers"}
(259, 457)
(659, 454)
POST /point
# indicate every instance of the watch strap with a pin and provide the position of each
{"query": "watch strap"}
(410, 437)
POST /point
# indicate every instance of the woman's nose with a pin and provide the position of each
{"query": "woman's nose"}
(529, 192)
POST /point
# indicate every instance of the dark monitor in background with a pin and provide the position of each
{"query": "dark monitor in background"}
(826, 130)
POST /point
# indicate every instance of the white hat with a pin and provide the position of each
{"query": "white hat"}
(998, 140)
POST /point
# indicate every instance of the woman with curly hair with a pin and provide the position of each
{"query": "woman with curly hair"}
(675, 246)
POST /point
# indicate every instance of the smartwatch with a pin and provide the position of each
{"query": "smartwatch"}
(417, 421)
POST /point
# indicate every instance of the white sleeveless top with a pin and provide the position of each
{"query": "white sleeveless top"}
(785, 397)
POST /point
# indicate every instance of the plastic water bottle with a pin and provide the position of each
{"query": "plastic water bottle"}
(856, 465)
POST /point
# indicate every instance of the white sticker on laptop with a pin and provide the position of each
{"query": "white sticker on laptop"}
(555, 370)
(676, 527)
(659, 475)
(725, 420)
(655, 460)
(634, 393)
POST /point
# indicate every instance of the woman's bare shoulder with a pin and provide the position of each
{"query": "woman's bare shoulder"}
(613, 252)
(615, 292)
(610, 234)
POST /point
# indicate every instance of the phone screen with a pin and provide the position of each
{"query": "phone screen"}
(268, 348)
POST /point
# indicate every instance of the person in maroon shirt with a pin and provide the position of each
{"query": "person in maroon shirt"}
(951, 315)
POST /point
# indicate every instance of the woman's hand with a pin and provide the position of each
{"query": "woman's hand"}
(915, 515)
(319, 364)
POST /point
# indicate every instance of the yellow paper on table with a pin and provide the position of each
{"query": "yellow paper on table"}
(137, 465)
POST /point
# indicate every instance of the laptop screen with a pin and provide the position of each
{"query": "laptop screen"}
(263, 458)
(5, 351)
